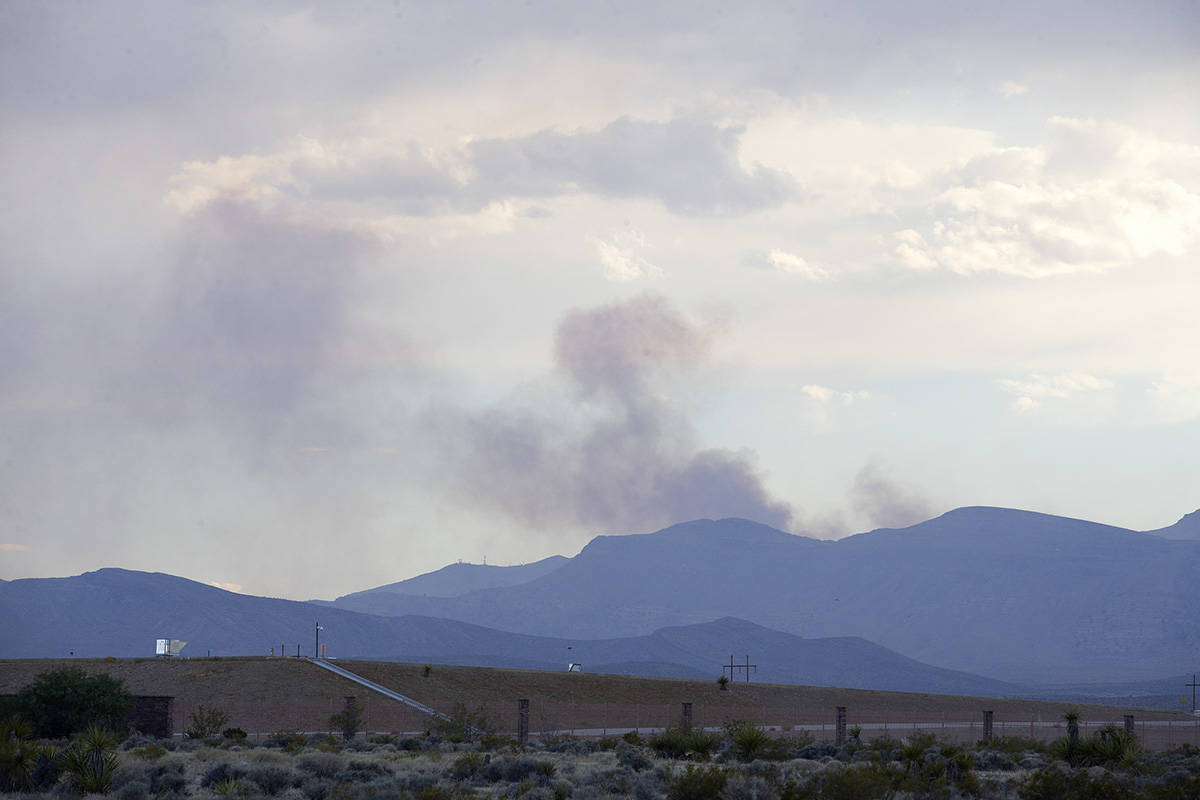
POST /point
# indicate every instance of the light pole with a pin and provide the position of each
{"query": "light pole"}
(317, 644)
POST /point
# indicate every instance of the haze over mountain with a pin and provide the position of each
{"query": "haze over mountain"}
(1016, 595)
(456, 579)
(120, 613)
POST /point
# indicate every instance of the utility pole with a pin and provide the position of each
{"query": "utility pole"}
(1193, 685)
(317, 643)
(747, 666)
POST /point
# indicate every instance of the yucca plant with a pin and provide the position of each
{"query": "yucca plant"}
(18, 754)
(91, 760)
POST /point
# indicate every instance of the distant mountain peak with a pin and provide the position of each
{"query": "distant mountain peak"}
(1188, 527)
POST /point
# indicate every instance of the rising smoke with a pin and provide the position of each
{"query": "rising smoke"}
(626, 458)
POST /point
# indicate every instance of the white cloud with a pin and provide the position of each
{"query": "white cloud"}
(1093, 197)
(622, 263)
(1174, 398)
(1013, 89)
(1032, 392)
(229, 587)
(824, 394)
(793, 264)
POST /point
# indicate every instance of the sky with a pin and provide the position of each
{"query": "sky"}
(299, 299)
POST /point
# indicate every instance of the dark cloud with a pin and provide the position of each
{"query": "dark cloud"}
(885, 503)
(629, 459)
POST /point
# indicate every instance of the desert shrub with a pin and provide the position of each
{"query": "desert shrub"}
(1180, 788)
(316, 788)
(166, 777)
(468, 765)
(740, 786)
(205, 722)
(221, 773)
(360, 771)
(1014, 744)
(460, 725)
(1055, 784)
(65, 701)
(323, 765)
(865, 782)
(133, 790)
(518, 769)
(887, 747)
(571, 744)
(90, 761)
(150, 752)
(235, 734)
(289, 741)
(677, 742)
(491, 741)
(412, 743)
(818, 750)
(634, 738)
(633, 757)
(347, 720)
(272, 780)
(697, 783)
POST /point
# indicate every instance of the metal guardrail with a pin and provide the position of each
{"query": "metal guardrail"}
(375, 687)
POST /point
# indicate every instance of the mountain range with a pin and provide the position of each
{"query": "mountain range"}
(115, 612)
(993, 597)
(1014, 595)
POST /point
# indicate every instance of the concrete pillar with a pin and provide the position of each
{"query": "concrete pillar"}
(685, 716)
(1129, 724)
(523, 721)
(839, 737)
(987, 724)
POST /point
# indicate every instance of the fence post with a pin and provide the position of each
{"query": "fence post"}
(839, 737)
(686, 715)
(987, 724)
(523, 721)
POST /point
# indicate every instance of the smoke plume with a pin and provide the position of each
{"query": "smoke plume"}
(624, 458)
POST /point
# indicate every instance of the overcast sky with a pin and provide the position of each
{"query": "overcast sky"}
(301, 299)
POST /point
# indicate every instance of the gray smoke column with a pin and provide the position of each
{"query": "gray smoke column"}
(884, 502)
(628, 460)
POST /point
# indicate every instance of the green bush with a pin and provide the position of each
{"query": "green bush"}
(675, 742)
(1054, 784)
(205, 722)
(697, 783)
(460, 725)
(65, 701)
(236, 734)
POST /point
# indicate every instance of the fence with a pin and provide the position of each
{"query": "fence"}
(381, 715)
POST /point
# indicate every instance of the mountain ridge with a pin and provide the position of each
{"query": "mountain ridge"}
(1124, 607)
